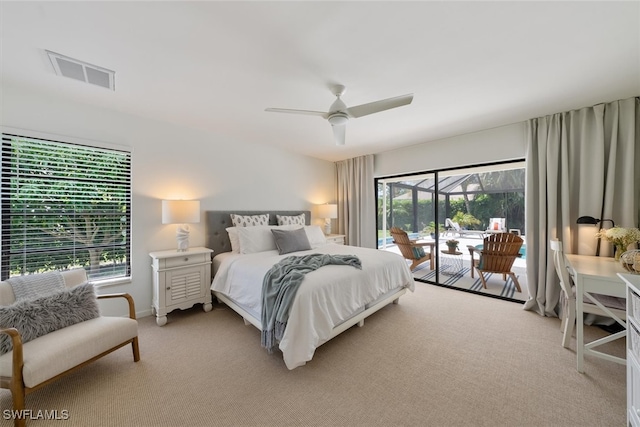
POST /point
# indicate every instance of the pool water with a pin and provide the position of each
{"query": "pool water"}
(389, 240)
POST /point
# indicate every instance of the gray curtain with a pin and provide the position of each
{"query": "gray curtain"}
(356, 201)
(581, 162)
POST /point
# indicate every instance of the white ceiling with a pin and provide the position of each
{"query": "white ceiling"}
(218, 65)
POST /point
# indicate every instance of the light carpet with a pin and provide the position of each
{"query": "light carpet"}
(461, 279)
(438, 358)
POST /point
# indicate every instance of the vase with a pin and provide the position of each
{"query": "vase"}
(619, 250)
(452, 249)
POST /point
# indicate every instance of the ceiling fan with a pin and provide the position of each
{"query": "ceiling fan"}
(339, 114)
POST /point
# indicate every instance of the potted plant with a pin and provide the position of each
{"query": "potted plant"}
(430, 229)
(452, 244)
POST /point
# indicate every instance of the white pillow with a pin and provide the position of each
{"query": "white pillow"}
(291, 220)
(258, 238)
(234, 239)
(315, 235)
(249, 220)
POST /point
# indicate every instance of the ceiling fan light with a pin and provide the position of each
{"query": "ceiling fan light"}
(338, 119)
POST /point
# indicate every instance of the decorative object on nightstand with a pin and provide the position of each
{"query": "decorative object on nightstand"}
(338, 239)
(180, 280)
(181, 212)
(328, 212)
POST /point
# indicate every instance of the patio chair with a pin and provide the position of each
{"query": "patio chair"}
(411, 249)
(497, 225)
(497, 255)
(452, 227)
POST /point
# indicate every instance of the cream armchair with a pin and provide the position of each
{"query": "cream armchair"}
(41, 361)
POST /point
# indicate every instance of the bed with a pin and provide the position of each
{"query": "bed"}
(329, 301)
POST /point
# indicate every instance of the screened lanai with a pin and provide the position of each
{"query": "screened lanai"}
(425, 205)
(482, 193)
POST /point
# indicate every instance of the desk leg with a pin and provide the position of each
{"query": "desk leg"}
(579, 325)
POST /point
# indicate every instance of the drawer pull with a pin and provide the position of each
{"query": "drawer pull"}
(186, 259)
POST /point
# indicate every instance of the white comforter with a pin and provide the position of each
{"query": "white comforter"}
(326, 298)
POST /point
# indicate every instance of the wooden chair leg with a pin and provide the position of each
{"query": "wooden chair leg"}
(136, 349)
(484, 282)
(515, 281)
(17, 395)
(564, 313)
(570, 318)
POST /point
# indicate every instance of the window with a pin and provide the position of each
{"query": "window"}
(64, 205)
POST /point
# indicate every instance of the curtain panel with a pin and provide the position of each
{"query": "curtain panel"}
(356, 201)
(581, 162)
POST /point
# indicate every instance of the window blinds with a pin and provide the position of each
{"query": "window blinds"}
(64, 205)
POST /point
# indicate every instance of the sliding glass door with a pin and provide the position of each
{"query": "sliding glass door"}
(408, 204)
(448, 213)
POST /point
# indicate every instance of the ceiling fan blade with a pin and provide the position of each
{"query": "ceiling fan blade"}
(339, 133)
(308, 112)
(377, 106)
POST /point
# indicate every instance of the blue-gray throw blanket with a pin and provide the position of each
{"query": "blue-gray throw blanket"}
(280, 285)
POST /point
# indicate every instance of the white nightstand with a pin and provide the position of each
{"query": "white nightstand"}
(180, 280)
(335, 238)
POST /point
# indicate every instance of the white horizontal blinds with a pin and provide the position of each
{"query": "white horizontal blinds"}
(64, 206)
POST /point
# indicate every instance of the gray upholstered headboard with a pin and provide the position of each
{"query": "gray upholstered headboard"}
(218, 221)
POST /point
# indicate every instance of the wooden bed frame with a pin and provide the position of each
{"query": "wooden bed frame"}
(218, 240)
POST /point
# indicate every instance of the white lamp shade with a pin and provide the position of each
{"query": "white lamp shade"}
(180, 211)
(327, 211)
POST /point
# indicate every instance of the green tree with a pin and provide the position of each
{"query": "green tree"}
(69, 206)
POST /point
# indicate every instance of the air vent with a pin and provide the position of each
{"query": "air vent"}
(78, 70)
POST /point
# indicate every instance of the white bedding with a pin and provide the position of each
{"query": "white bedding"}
(326, 298)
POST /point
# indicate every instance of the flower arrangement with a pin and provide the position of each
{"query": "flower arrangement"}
(620, 237)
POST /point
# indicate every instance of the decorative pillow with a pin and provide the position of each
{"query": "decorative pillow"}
(249, 220)
(418, 252)
(37, 317)
(234, 239)
(315, 235)
(291, 240)
(291, 220)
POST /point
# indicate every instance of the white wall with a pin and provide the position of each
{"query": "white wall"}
(175, 162)
(487, 146)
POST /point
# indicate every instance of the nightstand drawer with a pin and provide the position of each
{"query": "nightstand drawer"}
(185, 260)
(338, 239)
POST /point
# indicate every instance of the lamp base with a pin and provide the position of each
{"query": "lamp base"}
(327, 226)
(182, 236)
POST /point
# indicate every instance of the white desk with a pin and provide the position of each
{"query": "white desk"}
(598, 275)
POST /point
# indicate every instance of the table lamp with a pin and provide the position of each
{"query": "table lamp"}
(328, 212)
(594, 221)
(181, 212)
